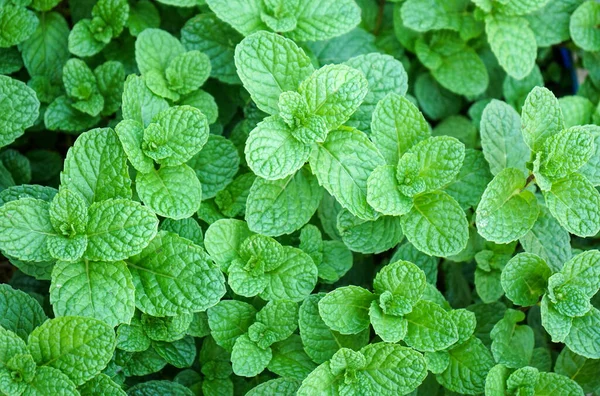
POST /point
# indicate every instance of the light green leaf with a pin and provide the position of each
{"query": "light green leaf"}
(583, 272)
(541, 117)
(430, 327)
(583, 28)
(272, 152)
(320, 342)
(346, 309)
(187, 228)
(24, 229)
(282, 206)
(321, 20)
(564, 153)
(259, 59)
(501, 139)
(397, 126)
(513, 43)
(575, 203)
(471, 181)
(294, 279)
(100, 290)
(277, 386)
(79, 347)
(524, 279)
(385, 75)
(48, 381)
(228, 320)
(215, 165)
(188, 71)
(110, 77)
(440, 159)
(175, 135)
(469, 365)
(244, 16)
(507, 211)
(173, 191)
(159, 387)
(290, 361)
(101, 383)
(132, 337)
(436, 225)
(19, 107)
(247, 359)
(19, 312)
(334, 92)
(82, 41)
(579, 369)
(139, 103)
(383, 193)
(389, 328)
(131, 135)
(343, 164)
(173, 276)
(366, 236)
(555, 323)
(210, 35)
(96, 167)
(155, 49)
(16, 23)
(548, 240)
(403, 281)
(583, 337)
(512, 344)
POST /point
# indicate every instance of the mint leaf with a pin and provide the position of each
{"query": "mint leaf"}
(173, 276)
(430, 327)
(365, 236)
(541, 117)
(21, 313)
(17, 23)
(79, 347)
(19, 106)
(524, 279)
(334, 309)
(582, 26)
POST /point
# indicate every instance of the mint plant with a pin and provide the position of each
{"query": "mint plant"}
(287, 197)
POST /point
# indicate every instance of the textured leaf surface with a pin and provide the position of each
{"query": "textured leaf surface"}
(19, 107)
(85, 288)
(346, 309)
(513, 43)
(79, 347)
(343, 164)
(366, 236)
(172, 276)
(294, 279)
(20, 313)
(430, 328)
(541, 117)
(524, 279)
(436, 225)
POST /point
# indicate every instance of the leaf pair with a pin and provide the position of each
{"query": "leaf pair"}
(174, 137)
(508, 210)
(259, 265)
(250, 335)
(566, 309)
(168, 69)
(527, 380)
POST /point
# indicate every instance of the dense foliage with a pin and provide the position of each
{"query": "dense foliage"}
(311, 197)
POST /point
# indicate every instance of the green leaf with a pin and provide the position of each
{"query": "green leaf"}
(403, 281)
(247, 358)
(132, 337)
(96, 167)
(389, 328)
(512, 344)
(436, 225)
(244, 16)
(175, 135)
(346, 309)
(139, 103)
(507, 211)
(61, 115)
(321, 381)
(168, 329)
(223, 240)
(142, 15)
(46, 51)
(282, 206)
(430, 327)
(392, 369)
(215, 165)
(289, 359)
(210, 35)
(397, 126)
(186, 228)
(548, 240)
(555, 323)
(24, 229)
(583, 272)
(84, 289)
(174, 191)
(469, 365)
(172, 276)
(278, 386)
(159, 387)
(188, 71)
(524, 279)
(118, 229)
(513, 42)
(575, 203)
(101, 383)
(79, 347)
(81, 86)
(320, 342)
(294, 278)
(383, 193)
(343, 164)
(258, 59)
(471, 181)
(155, 49)
(321, 20)
(565, 152)
(501, 139)
(82, 41)
(272, 152)
(17, 24)
(579, 369)
(384, 75)
(110, 77)
(334, 92)
(20, 313)
(583, 28)
(19, 107)
(365, 236)
(231, 201)
(228, 320)
(131, 135)
(48, 381)
(440, 159)
(583, 337)
(541, 117)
